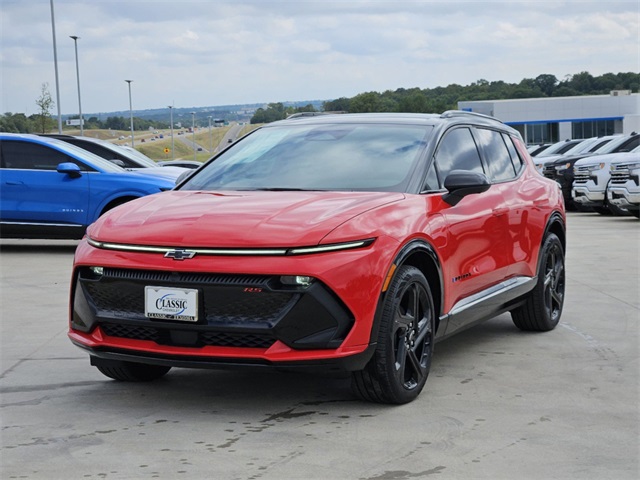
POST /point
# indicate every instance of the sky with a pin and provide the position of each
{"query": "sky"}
(200, 53)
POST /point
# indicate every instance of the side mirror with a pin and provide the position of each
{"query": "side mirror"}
(70, 169)
(117, 162)
(460, 183)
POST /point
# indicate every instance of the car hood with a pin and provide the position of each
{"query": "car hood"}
(234, 219)
(169, 173)
(606, 158)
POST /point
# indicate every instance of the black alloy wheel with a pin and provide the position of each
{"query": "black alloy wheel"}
(400, 366)
(543, 306)
(554, 283)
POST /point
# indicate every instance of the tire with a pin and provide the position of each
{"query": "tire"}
(635, 213)
(130, 371)
(617, 211)
(603, 210)
(399, 368)
(543, 307)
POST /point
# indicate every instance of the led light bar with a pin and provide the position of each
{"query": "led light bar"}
(234, 251)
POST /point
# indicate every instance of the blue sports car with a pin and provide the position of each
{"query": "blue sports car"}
(52, 189)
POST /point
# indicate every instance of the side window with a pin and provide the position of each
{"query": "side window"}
(104, 153)
(457, 151)
(32, 156)
(431, 182)
(513, 152)
(496, 155)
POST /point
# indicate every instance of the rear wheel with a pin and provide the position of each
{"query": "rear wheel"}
(129, 371)
(400, 365)
(602, 210)
(543, 307)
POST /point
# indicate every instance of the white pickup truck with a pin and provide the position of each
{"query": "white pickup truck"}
(624, 188)
(591, 179)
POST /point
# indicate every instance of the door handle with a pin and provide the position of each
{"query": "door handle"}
(14, 183)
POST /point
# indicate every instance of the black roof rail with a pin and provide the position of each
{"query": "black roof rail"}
(312, 114)
(462, 113)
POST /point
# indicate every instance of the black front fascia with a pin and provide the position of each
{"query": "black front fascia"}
(251, 311)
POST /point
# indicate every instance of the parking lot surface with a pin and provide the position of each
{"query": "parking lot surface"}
(499, 403)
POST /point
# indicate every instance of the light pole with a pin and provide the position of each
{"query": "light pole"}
(173, 155)
(130, 110)
(193, 129)
(75, 42)
(55, 63)
(210, 137)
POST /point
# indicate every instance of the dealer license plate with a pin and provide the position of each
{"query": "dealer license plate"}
(171, 303)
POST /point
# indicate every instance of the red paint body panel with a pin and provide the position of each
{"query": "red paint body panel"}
(481, 241)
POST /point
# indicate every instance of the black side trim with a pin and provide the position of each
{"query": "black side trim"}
(487, 304)
(41, 230)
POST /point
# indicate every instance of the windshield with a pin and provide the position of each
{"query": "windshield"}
(82, 154)
(616, 145)
(369, 157)
(582, 147)
(559, 148)
(132, 152)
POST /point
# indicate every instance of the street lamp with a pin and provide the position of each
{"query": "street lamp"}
(193, 129)
(130, 110)
(75, 42)
(173, 155)
(55, 63)
(210, 137)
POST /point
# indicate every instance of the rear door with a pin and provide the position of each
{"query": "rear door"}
(504, 165)
(33, 192)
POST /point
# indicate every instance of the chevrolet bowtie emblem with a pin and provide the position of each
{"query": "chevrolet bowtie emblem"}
(179, 254)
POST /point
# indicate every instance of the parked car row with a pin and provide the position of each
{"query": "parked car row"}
(585, 172)
(50, 188)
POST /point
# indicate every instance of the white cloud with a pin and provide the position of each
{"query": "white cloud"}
(204, 53)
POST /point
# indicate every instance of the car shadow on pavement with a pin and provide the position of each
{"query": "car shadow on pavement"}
(38, 246)
(247, 388)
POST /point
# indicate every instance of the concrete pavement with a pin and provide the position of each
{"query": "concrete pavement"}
(499, 403)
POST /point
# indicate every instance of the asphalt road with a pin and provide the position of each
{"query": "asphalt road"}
(499, 403)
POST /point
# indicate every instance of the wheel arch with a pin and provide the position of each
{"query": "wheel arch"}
(421, 255)
(117, 202)
(557, 226)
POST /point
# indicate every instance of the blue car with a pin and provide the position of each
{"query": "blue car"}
(52, 189)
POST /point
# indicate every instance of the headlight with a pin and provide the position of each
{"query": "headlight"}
(634, 166)
(593, 168)
(296, 280)
(561, 168)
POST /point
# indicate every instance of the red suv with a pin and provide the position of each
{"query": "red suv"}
(350, 241)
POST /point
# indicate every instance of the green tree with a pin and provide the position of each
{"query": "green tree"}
(45, 103)
(546, 83)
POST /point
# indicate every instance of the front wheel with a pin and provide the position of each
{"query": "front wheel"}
(543, 306)
(129, 371)
(400, 365)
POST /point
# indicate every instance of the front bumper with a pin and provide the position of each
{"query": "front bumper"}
(249, 318)
(584, 196)
(622, 197)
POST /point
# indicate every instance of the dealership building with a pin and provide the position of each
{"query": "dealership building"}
(551, 119)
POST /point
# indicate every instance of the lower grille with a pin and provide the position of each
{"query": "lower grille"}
(248, 311)
(172, 337)
(224, 302)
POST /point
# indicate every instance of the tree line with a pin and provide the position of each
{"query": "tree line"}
(39, 123)
(440, 99)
